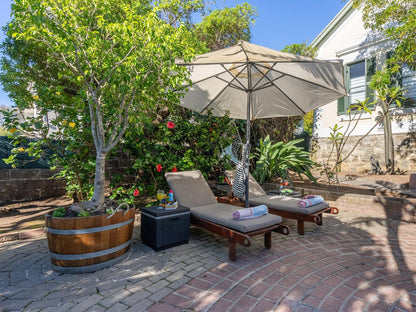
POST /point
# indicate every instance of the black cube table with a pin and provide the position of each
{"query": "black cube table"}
(164, 228)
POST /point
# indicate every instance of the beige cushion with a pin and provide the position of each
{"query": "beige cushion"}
(285, 203)
(223, 214)
(257, 196)
(190, 188)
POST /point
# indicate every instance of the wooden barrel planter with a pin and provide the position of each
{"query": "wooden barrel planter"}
(88, 244)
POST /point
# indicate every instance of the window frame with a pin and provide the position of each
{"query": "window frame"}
(344, 103)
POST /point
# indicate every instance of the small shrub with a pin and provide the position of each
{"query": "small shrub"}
(280, 158)
(59, 212)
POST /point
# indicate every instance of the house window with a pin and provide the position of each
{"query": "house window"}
(357, 77)
(408, 82)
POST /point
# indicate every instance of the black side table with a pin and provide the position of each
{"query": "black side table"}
(164, 228)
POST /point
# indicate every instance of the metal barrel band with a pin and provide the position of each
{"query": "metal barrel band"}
(89, 230)
(89, 255)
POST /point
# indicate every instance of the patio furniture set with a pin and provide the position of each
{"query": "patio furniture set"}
(197, 202)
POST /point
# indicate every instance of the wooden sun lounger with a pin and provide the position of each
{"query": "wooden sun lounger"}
(241, 238)
(283, 206)
(191, 190)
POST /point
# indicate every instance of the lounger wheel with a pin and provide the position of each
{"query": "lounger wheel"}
(317, 220)
(334, 210)
(282, 229)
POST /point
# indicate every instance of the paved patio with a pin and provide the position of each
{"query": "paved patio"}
(352, 263)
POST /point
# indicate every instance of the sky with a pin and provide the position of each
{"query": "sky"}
(279, 22)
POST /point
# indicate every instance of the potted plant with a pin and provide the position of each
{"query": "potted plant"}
(107, 63)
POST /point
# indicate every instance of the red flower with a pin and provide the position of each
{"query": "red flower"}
(136, 192)
(170, 125)
(285, 183)
(159, 168)
(174, 169)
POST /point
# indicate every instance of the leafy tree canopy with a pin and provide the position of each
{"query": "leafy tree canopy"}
(396, 19)
(119, 56)
(301, 49)
(224, 28)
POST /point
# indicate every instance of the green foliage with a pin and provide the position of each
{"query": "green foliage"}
(224, 28)
(126, 194)
(109, 59)
(308, 123)
(279, 159)
(59, 212)
(95, 68)
(84, 214)
(397, 20)
(385, 92)
(195, 142)
(301, 49)
(176, 12)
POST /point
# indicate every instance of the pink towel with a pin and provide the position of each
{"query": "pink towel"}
(310, 200)
(249, 213)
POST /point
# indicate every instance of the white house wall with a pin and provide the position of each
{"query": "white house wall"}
(351, 42)
(346, 38)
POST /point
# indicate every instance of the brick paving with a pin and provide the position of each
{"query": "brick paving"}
(352, 263)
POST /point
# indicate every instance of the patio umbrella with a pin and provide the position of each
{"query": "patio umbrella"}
(253, 82)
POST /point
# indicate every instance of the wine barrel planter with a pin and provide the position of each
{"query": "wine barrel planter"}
(88, 244)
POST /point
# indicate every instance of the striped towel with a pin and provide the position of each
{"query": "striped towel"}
(249, 213)
(310, 200)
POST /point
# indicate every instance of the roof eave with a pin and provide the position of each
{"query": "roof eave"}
(332, 24)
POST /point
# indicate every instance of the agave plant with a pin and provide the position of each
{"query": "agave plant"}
(280, 158)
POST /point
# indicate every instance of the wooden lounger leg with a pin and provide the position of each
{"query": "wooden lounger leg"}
(268, 240)
(301, 227)
(320, 221)
(232, 249)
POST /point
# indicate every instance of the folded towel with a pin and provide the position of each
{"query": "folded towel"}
(310, 200)
(249, 213)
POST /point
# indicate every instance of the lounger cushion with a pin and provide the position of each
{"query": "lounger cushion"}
(222, 214)
(190, 188)
(286, 203)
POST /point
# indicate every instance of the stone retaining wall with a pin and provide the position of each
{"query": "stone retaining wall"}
(28, 184)
(372, 145)
(32, 184)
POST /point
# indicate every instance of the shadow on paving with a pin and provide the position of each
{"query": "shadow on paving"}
(351, 263)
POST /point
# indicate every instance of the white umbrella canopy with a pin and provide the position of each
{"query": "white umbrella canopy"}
(249, 82)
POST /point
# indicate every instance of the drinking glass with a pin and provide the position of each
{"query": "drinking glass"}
(160, 195)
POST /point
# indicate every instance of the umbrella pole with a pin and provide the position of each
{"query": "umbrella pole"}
(247, 147)
(247, 161)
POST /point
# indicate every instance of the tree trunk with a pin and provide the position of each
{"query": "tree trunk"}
(388, 144)
(99, 181)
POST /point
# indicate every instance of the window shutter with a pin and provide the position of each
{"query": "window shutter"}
(396, 78)
(343, 102)
(370, 65)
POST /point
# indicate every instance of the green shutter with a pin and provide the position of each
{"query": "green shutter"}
(370, 65)
(343, 103)
(395, 78)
